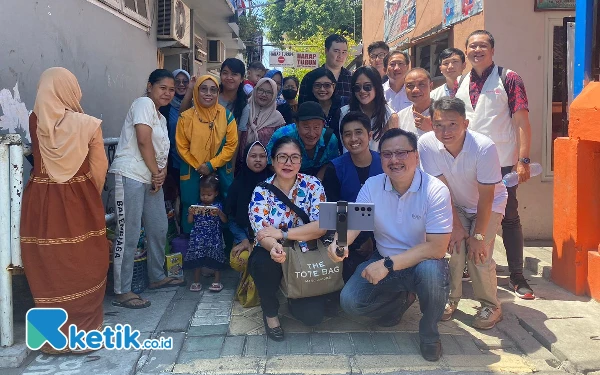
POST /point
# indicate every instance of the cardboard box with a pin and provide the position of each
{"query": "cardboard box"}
(174, 264)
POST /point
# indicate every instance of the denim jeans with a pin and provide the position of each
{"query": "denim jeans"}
(428, 279)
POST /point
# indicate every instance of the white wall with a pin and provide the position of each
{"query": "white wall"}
(520, 44)
(110, 57)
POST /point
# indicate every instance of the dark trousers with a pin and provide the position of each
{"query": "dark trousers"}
(512, 232)
(267, 276)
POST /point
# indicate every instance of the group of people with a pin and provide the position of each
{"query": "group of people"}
(431, 161)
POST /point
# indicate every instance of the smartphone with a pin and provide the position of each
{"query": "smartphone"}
(204, 210)
(361, 216)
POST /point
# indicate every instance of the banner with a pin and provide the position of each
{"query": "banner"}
(400, 17)
(283, 59)
(457, 10)
(307, 60)
(554, 4)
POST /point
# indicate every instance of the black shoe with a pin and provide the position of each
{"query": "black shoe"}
(394, 318)
(431, 352)
(519, 285)
(276, 334)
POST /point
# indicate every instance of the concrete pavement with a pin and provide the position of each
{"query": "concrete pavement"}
(213, 334)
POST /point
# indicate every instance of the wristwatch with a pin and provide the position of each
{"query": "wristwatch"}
(388, 263)
(284, 233)
(525, 160)
(479, 236)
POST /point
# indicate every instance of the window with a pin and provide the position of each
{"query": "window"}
(426, 55)
(137, 10)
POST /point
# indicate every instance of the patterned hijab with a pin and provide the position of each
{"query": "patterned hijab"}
(263, 117)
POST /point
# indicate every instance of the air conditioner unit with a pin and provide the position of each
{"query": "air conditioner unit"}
(216, 51)
(174, 22)
(199, 49)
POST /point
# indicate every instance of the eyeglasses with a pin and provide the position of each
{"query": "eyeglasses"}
(283, 158)
(212, 90)
(182, 82)
(366, 87)
(261, 91)
(326, 85)
(379, 56)
(399, 154)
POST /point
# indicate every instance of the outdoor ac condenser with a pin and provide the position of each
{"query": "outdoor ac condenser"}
(174, 22)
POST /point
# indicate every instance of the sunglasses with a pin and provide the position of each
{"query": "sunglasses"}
(326, 86)
(368, 87)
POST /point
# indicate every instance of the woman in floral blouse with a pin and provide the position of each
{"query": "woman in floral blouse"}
(273, 222)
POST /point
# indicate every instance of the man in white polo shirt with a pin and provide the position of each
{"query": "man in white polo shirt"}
(413, 223)
(467, 162)
(415, 118)
(396, 64)
(498, 107)
(452, 63)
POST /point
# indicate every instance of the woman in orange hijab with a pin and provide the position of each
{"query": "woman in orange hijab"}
(63, 233)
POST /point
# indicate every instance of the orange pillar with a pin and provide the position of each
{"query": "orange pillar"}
(576, 230)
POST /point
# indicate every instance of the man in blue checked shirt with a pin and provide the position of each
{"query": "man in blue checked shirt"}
(319, 144)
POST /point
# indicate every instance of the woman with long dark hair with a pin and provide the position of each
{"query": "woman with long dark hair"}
(368, 98)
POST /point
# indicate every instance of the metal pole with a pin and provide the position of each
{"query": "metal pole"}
(6, 304)
(16, 196)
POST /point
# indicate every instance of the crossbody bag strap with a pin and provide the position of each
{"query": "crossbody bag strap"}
(282, 197)
(326, 138)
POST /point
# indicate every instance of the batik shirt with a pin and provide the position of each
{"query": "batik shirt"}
(307, 193)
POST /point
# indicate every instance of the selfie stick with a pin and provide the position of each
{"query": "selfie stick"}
(341, 227)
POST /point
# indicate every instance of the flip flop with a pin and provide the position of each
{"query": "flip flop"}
(169, 284)
(216, 287)
(195, 287)
(126, 304)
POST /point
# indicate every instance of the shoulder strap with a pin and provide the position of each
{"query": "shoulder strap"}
(326, 138)
(502, 74)
(282, 197)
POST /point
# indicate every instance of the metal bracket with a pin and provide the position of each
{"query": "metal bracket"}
(342, 227)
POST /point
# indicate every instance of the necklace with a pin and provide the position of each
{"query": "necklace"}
(211, 123)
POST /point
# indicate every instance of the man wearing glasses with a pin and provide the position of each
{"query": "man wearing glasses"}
(396, 65)
(413, 223)
(319, 145)
(377, 52)
(468, 163)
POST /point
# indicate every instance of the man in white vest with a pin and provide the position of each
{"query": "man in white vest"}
(496, 105)
(452, 64)
(415, 118)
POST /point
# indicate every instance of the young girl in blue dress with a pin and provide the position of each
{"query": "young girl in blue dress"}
(206, 246)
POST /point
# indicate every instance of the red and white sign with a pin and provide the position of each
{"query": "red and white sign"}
(307, 60)
(282, 59)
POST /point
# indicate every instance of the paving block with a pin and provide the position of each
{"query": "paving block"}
(467, 345)
(204, 313)
(209, 320)
(449, 345)
(320, 343)
(495, 360)
(362, 343)
(203, 343)
(178, 315)
(214, 305)
(164, 360)
(13, 356)
(308, 365)
(298, 343)
(276, 347)
(408, 343)
(233, 346)
(188, 357)
(384, 343)
(226, 365)
(371, 364)
(342, 344)
(204, 330)
(256, 346)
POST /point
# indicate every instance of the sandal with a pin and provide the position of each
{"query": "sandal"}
(195, 287)
(169, 284)
(216, 287)
(127, 303)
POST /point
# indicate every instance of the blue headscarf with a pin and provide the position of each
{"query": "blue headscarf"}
(270, 74)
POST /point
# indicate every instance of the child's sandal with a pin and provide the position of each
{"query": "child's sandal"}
(216, 287)
(195, 287)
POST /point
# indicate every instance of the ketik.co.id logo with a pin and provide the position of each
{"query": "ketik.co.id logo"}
(44, 324)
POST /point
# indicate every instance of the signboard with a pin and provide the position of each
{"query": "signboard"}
(400, 17)
(307, 60)
(554, 4)
(283, 59)
(457, 10)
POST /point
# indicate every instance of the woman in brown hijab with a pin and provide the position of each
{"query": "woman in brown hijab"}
(63, 233)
